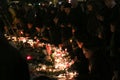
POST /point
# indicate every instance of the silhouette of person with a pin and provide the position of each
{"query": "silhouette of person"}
(98, 63)
(12, 64)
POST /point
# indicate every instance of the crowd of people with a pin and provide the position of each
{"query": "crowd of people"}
(93, 25)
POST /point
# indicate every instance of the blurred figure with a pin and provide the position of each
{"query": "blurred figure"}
(98, 64)
(115, 51)
(29, 29)
(66, 24)
(80, 62)
(42, 34)
(111, 14)
(12, 65)
(92, 23)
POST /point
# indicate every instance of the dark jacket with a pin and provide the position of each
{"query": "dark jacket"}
(101, 68)
(12, 65)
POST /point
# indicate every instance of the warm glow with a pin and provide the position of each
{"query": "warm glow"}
(29, 57)
(58, 56)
